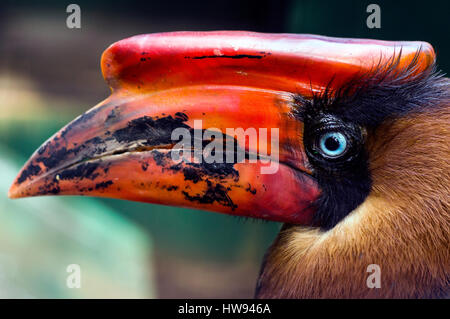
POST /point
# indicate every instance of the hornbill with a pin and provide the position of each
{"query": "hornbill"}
(363, 151)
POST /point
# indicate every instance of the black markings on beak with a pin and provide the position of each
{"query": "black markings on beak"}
(29, 172)
(215, 192)
(103, 185)
(141, 134)
(148, 131)
(213, 174)
(86, 170)
(236, 56)
(155, 131)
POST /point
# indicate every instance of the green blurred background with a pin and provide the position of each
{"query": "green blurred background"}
(49, 74)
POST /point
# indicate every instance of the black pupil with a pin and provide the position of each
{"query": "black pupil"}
(332, 143)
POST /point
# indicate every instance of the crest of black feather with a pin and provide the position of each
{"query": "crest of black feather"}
(382, 92)
(365, 101)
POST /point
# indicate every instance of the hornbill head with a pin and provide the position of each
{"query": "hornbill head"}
(337, 138)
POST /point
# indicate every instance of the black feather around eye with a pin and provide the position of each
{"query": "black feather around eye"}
(322, 124)
(344, 181)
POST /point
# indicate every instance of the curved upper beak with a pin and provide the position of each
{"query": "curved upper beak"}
(202, 120)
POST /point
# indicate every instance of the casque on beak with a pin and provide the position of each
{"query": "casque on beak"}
(121, 148)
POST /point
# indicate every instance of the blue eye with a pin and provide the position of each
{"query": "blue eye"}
(333, 144)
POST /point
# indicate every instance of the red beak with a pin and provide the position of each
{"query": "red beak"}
(123, 147)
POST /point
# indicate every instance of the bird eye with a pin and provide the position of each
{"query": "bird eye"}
(333, 144)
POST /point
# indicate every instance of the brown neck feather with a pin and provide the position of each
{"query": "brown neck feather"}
(403, 226)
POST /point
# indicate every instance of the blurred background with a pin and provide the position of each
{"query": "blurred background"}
(49, 74)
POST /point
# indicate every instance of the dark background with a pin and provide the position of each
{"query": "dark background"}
(49, 74)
